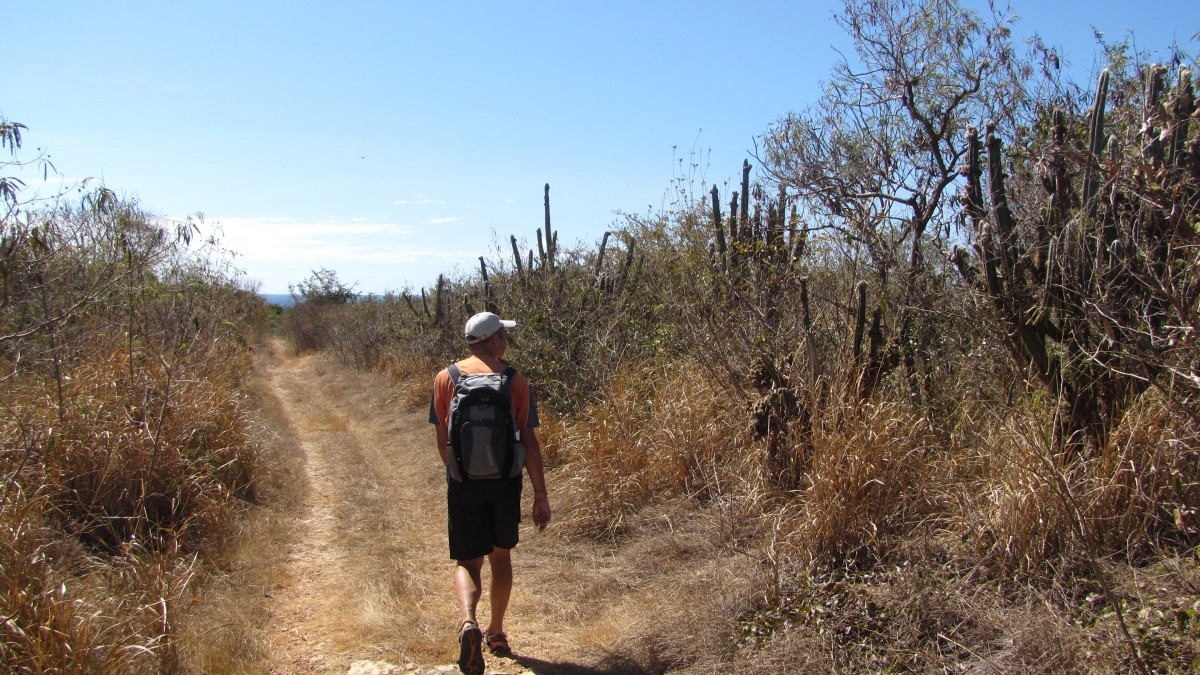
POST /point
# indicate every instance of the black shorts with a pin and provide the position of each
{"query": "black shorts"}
(483, 514)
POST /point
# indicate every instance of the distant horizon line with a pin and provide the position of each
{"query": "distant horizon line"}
(288, 293)
(288, 299)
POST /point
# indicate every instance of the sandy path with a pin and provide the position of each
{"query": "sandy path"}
(366, 576)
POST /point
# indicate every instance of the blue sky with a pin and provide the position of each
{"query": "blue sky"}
(393, 141)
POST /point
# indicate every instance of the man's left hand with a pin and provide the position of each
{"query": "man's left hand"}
(541, 512)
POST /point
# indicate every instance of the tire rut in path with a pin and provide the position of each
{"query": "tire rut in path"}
(365, 575)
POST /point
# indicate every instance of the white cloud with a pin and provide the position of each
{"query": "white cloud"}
(268, 237)
(443, 221)
(378, 254)
(417, 202)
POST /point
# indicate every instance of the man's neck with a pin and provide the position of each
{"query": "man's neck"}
(488, 360)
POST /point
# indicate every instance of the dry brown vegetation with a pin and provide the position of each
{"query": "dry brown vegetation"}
(125, 449)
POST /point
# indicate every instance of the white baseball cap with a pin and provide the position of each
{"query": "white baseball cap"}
(483, 325)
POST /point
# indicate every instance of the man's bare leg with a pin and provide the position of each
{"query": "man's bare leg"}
(467, 585)
(470, 639)
(500, 561)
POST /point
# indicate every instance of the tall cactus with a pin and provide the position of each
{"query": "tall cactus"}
(437, 300)
(627, 266)
(425, 304)
(745, 190)
(723, 257)
(488, 303)
(1096, 141)
(1089, 290)
(597, 272)
(412, 308)
(551, 239)
(516, 256)
(1020, 299)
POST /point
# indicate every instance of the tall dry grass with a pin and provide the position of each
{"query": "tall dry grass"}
(163, 456)
(660, 432)
(221, 633)
(108, 503)
(106, 511)
(125, 462)
(1035, 509)
(413, 375)
(867, 482)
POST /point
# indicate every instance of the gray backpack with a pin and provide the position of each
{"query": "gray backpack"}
(485, 443)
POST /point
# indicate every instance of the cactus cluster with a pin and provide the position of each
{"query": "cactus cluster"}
(1097, 289)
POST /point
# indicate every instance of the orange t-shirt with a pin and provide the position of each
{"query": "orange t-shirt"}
(443, 392)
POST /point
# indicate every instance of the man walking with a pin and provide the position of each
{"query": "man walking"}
(484, 513)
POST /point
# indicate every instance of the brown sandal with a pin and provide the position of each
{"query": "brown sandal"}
(470, 656)
(497, 644)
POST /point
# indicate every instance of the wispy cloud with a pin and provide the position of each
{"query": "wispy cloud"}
(375, 254)
(442, 221)
(279, 239)
(417, 202)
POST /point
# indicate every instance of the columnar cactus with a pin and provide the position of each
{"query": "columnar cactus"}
(1096, 292)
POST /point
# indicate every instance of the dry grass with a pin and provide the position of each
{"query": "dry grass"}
(122, 460)
(1031, 509)
(412, 375)
(110, 498)
(31, 597)
(867, 481)
(662, 515)
(917, 550)
(222, 633)
(914, 617)
(119, 422)
(660, 433)
(663, 597)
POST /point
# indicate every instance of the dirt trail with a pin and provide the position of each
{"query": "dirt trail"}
(366, 576)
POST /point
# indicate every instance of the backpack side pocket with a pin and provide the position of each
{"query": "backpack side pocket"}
(518, 459)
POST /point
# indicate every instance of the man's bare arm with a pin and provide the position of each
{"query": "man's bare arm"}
(537, 476)
(442, 436)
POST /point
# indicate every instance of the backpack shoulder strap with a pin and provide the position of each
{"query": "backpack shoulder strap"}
(506, 379)
(514, 434)
(453, 435)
